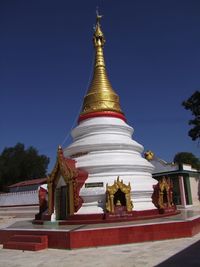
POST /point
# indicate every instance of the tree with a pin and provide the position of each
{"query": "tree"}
(187, 158)
(193, 104)
(18, 164)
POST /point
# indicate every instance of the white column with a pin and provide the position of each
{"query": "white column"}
(182, 191)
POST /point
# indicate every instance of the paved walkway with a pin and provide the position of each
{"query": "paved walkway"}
(177, 252)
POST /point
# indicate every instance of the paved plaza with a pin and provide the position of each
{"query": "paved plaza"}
(176, 252)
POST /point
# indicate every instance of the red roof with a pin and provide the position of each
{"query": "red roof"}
(30, 182)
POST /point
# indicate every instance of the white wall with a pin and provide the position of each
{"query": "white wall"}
(194, 190)
(19, 198)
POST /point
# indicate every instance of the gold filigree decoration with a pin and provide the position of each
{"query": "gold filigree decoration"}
(165, 193)
(149, 155)
(112, 190)
(64, 170)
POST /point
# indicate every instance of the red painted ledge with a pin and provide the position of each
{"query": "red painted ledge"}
(111, 218)
(104, 236)
(101, 114)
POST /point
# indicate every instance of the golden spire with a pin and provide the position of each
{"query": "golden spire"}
(100, 95)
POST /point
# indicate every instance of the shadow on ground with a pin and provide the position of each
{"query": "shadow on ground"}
(187, 257)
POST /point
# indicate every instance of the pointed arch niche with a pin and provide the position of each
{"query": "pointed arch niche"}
(64, 184)
(118, 195)
(163, 194)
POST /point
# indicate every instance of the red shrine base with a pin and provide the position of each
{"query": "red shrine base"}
(119, 216)
(105, 236)
(182, 225)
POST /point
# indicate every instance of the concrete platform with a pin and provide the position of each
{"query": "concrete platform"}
(166, 253)
(185, 224)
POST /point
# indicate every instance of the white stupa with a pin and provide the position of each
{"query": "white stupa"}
(103, 145)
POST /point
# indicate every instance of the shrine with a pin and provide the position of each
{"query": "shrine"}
(163, 195)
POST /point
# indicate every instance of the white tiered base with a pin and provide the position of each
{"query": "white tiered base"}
(104, 148)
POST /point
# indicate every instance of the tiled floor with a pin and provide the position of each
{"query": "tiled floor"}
(185, 215)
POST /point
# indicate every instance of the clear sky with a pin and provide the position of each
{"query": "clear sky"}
(152, 54)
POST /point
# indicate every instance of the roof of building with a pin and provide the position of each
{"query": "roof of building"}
(29, 182)
(163, 167)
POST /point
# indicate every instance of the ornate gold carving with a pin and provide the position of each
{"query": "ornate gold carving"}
(100, 95)
(98, 37)
(165, 198)
(163, 194)
(149, 155)
(110, 195)
(64, 170)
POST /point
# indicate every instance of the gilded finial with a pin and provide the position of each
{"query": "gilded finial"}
(100, 96)
(98, 16)
(59, 151)
(98, 37)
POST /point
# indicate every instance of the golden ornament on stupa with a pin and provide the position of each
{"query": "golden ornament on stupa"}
(149, 155)
(100, 95)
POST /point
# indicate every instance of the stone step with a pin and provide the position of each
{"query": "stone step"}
(30, 238)
(27, 242)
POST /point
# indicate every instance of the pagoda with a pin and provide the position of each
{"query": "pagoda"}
(101, 178)
(117, 174)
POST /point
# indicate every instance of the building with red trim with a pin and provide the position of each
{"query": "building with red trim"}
(27, 185)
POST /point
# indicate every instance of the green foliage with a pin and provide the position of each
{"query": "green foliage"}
(187, 158)
(18, 164)
(193, 104)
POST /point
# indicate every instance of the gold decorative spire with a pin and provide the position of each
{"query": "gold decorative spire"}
(100, 95)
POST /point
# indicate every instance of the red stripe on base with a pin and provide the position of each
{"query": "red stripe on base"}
(105, 235)
(102, 114)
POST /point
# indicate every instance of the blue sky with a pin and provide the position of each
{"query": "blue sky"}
(152, 54)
